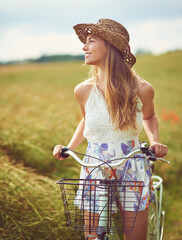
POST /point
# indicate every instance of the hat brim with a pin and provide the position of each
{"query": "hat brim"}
(115, 39)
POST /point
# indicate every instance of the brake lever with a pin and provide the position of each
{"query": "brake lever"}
(150, 153)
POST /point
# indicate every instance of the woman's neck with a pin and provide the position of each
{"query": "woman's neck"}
(100, 82)
(100, 77)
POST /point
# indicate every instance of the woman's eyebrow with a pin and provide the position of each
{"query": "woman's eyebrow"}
(90, 38)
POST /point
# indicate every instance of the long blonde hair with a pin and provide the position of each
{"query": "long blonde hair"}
(121, 90)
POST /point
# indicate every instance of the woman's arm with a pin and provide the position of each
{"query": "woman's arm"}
(150, 122)
(151, 128)
(81, 93)
(78, 137)
(75, 141)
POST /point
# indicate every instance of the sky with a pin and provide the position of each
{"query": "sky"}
(31, 28)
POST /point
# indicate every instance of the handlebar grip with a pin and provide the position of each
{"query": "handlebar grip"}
(152, 158)
(148, 151)
(151, 155)
(62, 152)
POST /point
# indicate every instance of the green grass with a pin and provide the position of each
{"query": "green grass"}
(164, 73)
(29, 205)
(38, 111)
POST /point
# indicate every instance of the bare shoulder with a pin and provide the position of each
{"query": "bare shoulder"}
(145, 90)
(82, 90)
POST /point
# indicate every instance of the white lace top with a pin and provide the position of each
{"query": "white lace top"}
(98, 128)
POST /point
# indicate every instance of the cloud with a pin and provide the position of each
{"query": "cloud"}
(26, 41)
(157, 36)
(63, 14)
(22, 42)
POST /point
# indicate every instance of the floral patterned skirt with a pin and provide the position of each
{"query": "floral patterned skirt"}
(134, 169)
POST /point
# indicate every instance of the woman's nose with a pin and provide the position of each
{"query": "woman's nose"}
(85, 47)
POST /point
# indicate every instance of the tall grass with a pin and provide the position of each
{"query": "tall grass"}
(38, 111)
(29, 205)
(164, 73)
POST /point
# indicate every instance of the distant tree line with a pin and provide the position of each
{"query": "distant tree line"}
(67, 57)
(46, 58)
(142, 51)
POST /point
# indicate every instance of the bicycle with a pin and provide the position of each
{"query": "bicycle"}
(156, 214)
(107, 216)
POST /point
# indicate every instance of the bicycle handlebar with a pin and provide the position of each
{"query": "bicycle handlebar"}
(148, 153)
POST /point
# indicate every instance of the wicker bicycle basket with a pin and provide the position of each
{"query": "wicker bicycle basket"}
(111, 203)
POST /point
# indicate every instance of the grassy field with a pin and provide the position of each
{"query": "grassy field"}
(38, 111)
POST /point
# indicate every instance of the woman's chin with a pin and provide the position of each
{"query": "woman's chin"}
(87, 62)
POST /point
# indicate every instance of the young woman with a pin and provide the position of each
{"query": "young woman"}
(116, 104)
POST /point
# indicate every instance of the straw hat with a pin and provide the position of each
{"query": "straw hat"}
(111, 31)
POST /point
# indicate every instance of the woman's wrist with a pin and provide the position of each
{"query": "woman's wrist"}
(154, 142)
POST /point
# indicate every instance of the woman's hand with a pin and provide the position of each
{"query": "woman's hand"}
(56, 152)
(159, 149)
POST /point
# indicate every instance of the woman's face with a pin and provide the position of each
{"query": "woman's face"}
(95, 50)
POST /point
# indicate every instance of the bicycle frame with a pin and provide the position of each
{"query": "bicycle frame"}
(156, 216)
